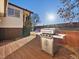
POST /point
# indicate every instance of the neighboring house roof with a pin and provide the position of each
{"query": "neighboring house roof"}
(20, 7)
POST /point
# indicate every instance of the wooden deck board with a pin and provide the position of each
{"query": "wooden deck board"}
(33, 50)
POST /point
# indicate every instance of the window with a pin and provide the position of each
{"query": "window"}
(13, 12)
(17, 13)
(10, 12)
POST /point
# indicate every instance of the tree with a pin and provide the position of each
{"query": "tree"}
(34, 19)
(70, 10)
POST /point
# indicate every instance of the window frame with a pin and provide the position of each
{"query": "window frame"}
(13, 12)
(17, 13)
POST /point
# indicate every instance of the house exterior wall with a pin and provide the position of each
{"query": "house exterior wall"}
(12, 22)
(11, 27)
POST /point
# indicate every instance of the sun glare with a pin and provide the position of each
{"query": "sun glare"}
(50, 17)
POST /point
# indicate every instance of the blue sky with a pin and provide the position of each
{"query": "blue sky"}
(42, 8)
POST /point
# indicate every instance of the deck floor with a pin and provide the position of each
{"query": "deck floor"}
(32, 50)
